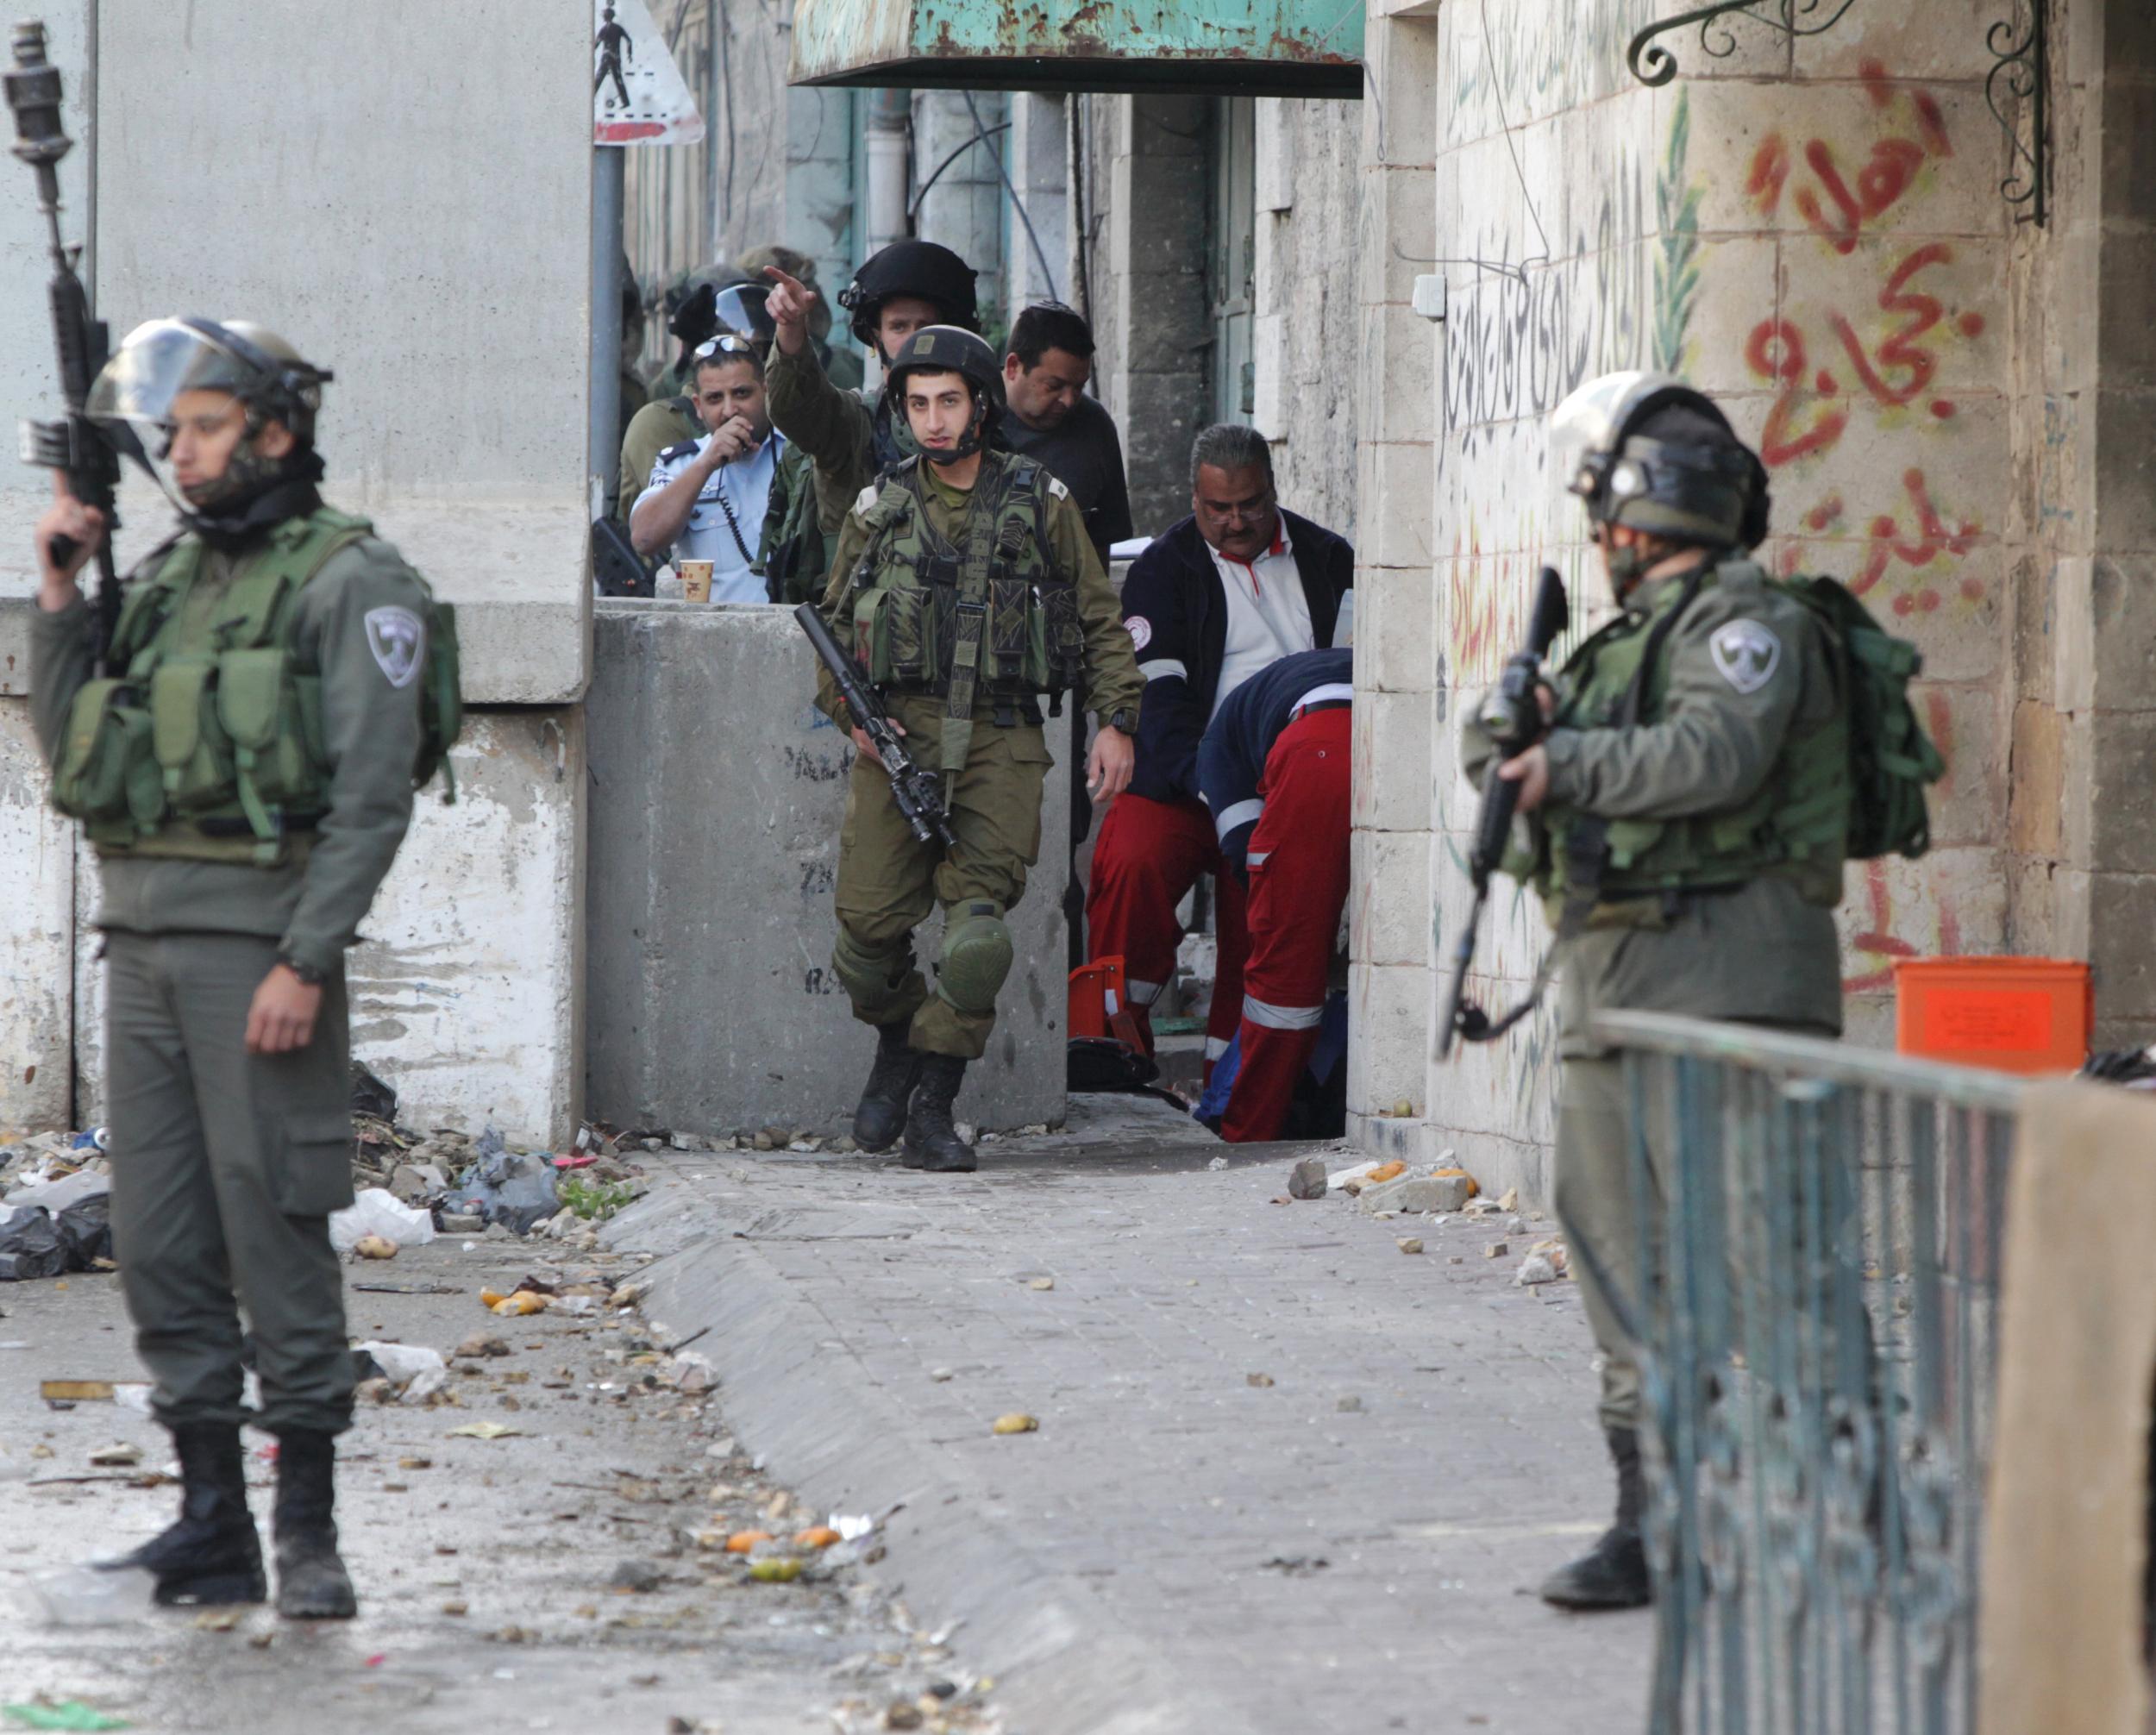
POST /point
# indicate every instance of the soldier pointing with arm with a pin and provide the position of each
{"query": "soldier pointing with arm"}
(281, 679)
(965, 584)
(850, 437)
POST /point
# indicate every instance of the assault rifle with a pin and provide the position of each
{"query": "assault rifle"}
(79, 449)
(912, 788)
(1511, 717)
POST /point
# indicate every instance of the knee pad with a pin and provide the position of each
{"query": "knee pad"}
(975, 957)
(864, 973)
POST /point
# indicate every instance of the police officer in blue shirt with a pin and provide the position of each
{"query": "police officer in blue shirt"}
(707, 499)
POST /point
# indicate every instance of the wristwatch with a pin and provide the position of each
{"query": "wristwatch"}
(1122, 719)
(306, 973)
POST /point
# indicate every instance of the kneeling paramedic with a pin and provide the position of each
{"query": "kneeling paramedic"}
(1274, 768)
(1691, 812)
(965, 584)
(280, 683)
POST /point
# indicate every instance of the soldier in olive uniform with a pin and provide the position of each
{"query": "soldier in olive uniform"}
(279, 679)
(1690, 803)
(965, 584)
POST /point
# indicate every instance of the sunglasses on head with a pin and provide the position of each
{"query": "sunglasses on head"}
(727, 343)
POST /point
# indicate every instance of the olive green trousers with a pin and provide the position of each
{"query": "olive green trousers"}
(225, 1168)
(888, 880)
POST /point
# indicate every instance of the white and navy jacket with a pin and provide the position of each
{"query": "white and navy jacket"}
(1232, 755)
(1177, 614)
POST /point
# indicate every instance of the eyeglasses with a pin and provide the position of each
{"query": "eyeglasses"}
(726, 343)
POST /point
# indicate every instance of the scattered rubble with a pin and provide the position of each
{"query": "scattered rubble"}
(1306, 1179)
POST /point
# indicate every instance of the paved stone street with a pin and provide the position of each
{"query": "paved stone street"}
(485, 1568)
(1287, 1477)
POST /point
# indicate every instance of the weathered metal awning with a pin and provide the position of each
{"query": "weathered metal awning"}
(1240, 47)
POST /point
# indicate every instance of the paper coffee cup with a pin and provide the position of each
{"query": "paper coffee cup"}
(696, 580)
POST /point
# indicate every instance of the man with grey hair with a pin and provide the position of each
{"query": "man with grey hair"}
(1226, 593)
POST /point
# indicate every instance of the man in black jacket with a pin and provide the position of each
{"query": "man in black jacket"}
(1224, 593)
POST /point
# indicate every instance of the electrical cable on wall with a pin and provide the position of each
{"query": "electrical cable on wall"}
(1003, 173)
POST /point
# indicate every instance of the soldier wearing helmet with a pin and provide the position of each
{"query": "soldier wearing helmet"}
(279, 683)
(1689, 818)
(852, 437)
(965, 583)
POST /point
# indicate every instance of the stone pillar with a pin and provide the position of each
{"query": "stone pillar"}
(1399, 709)
(1039, 145)
(964, 209)
(2082, 821)
(1148, 197)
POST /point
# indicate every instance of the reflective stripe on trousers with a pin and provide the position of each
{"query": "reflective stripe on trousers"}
(1272, 1017)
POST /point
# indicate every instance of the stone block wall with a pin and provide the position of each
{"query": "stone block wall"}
(1813, 233)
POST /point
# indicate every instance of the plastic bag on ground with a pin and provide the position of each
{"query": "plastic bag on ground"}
(85, 1231)
(377, 1211)
(515, 1191)
(417, 1371)
(30, 1245)
(56, 1196)
(91, 1596)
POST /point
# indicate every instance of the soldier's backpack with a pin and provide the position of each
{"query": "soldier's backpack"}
(1891, 760)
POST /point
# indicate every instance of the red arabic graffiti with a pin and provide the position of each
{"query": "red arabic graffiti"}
(1878, 946)
(1888, 545)
(1879, 185)
(1932, 541)
(1899, 372)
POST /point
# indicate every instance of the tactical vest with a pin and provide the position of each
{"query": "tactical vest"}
(209, 745)
(1796, 825)
(925, 609)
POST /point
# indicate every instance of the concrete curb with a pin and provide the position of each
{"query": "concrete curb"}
(794, 1393)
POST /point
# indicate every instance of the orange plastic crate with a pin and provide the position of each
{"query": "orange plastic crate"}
(2016, 1015)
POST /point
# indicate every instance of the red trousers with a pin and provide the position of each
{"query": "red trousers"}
(1148, 856)
(1299, 887)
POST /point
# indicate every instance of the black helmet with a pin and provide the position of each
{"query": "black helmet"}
(1650, 452)
(947, 349)
(911, 267)
(709, 307)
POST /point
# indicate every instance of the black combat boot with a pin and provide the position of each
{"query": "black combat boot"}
(881, 1117)
(212, 1554)
(1613, 1573)
(932, 1139)
(312, 1581)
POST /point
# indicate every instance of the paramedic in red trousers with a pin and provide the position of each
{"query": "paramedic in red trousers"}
(1274, 766)
(1224, 594)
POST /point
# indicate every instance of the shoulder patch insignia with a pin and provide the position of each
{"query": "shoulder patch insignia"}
(1141, 630)
(1057, 489)
(1747, 652)
(866, 497)
(398, 639)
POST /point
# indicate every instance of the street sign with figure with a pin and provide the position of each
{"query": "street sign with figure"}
(638, 95)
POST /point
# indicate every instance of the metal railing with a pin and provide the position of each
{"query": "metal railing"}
(1815, 1297)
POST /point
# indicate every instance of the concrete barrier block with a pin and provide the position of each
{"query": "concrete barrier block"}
(464, 985)
(718, 792)
(37, 892)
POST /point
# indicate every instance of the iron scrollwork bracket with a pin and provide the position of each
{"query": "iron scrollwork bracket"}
(1652, 64)
(2017, 90)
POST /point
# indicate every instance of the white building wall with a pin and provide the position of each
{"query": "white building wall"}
(379, 208)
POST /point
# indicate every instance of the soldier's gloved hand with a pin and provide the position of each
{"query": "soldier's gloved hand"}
(282, 1015)
(788, 305)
